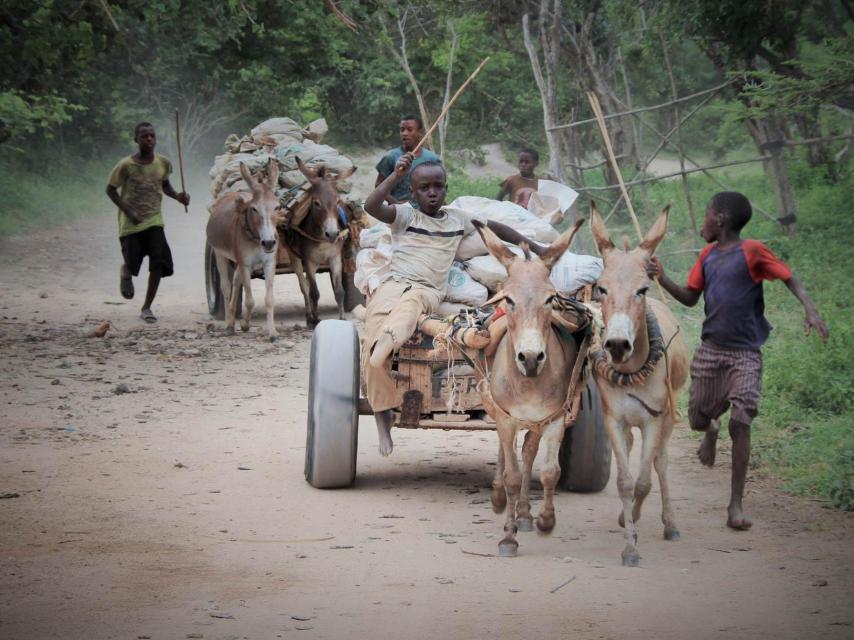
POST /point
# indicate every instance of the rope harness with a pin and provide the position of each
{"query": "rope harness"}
(657, 349)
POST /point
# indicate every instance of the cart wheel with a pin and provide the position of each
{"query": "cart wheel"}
(216, 303)
(333, 397)
(585, 454)
(352, 296)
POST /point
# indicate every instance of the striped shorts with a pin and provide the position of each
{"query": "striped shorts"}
(720, 379)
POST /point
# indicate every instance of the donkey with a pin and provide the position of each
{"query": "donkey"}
(527, 386)
(319, 238)
(641, 362)
(242, 231)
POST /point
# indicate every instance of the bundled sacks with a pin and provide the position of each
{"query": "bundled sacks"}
(283, 140)
(475, 272)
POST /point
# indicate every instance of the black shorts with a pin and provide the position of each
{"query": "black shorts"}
(152, 243)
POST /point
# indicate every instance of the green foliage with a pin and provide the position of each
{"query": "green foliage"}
(24, 114)
(824, 75)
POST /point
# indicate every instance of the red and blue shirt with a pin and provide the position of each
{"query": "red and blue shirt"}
(731, 283)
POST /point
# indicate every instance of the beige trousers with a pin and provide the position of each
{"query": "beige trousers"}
(394, 308)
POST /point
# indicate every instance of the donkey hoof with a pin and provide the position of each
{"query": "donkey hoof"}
(525, 523)
(229, 331)
(546, 522)
(508, 548)
(671, 533)
(273, 338)
(631, 559)
(244, 327)
(498, 499)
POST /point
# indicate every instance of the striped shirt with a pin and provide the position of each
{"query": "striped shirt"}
(424, 246)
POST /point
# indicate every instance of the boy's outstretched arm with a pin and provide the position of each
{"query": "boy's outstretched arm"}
(813, 320)
(183, 197)
(375, 203)
(684, 295)
(503, 192)
(508, 234)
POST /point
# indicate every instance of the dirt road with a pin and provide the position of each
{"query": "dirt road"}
(152, 487)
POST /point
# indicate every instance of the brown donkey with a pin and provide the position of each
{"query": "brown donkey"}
(242, 231)
(641, 362)
(527, 385)
(318, 238)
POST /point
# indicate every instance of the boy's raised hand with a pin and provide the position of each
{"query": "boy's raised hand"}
(403, 164)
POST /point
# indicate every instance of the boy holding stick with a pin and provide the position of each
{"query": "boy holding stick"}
(143, 177)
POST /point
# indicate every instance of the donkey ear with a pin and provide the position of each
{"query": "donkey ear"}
(494, 245)
(347, 173)
(247, 176)
(656, 233)
(272, 173)
(599, 231)
(557, 248)
(305, 170)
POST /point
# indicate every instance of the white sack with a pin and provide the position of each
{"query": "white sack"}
(507, 213)
(372, 268)
(372, 236)
(277, 125)
(463, 288)
(545, 208)
(560, 192)
(574, 271)
(488, 271)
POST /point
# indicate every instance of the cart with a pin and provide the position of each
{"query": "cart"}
(427, 379)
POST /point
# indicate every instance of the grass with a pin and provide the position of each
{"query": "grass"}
(804, 433)
(55, 194)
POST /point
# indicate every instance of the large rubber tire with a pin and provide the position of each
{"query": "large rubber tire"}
(352, 296)
(213, 291)
(333, 395)
(585, 454)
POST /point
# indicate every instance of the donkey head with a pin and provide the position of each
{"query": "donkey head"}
(622, 287)
(262, 211)
(323, 214)
(528, 294)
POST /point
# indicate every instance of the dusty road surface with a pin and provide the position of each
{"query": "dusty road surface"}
(151, 486)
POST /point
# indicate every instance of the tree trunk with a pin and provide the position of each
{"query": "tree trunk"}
(549, 26)
(443, 126)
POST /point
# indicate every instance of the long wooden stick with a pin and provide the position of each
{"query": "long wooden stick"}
(180, 155)
(600, 119)
(449, 105)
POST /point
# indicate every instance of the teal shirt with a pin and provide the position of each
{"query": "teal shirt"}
(385, 167)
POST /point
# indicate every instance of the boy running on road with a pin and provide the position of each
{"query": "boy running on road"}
(726, 372)
(143, 178)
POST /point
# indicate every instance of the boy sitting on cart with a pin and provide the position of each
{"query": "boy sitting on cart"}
(425, 241)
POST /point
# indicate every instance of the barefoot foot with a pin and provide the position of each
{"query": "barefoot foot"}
(384, 420)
